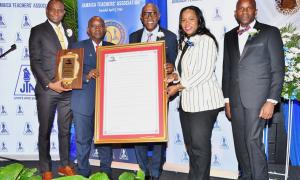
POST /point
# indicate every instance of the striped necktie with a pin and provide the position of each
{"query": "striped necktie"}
(149, 37)
(60, 37)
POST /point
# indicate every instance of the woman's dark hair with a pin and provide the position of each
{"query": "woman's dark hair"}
(201, 25)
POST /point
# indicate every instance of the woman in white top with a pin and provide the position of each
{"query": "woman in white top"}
(201, 97)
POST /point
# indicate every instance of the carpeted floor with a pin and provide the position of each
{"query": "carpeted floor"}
(294, 172)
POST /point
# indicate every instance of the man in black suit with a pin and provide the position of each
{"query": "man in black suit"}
(253, 73)
(44, 42)
(152, 32)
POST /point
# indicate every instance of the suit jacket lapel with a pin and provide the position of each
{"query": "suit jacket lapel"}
(235, 43)
(139, 35)
(249, 40)
(52, 34)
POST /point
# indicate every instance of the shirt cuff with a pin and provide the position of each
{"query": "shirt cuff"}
(272, 101)
(226, 100)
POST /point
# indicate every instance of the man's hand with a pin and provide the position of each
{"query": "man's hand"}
(267, 110)
(169, 68)
(92, 74)
(57, 86)
(172, 77)
(172, 90)
(227, 111)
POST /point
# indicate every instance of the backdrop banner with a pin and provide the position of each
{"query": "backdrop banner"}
(18, 115)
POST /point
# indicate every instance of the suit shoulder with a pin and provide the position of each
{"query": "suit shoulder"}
(108, 43)
(267, 27)
(170, 34)
(39, 26)
(232, 31)
(80, 43)
(135, 32)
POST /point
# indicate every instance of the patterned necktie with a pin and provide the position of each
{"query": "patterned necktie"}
(241, 31)
(149, 37)
(60, 37)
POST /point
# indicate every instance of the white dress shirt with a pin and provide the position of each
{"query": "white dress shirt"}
(62, 30)
(153, 37)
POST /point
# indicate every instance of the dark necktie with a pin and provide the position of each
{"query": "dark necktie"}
(149, 37)
(180, 59)
(241, 31)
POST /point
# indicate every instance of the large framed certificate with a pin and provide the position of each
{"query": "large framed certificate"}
(131, 99)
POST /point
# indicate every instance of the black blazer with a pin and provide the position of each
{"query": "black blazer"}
(170, 39)
(257, 73)
(43, 47)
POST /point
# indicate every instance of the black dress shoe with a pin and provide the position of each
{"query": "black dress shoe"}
(147, 177)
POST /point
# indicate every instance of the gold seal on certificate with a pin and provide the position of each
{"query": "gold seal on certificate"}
(69, 68)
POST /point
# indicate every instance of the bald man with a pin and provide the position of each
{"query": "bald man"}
(253, 73)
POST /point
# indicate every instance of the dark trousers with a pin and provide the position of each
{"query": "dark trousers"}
(197, 130)
(84, 127)
(155, 167)
(247, 130)
(47, 104)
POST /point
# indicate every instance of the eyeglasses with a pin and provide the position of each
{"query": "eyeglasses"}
(149, 13)
(97, 26)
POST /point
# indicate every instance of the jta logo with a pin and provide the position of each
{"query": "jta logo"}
(20, 147)
(215, 160)
(178, 139)
(18, 38)
(26, 22)
(25, 55)
(3, 130)
(123, 154)
(185, 157)
(224, 143)
(19, 111)
(53, 146)
(2, 21)
(3, 111)
(28, 129)
(2, 39)
(25, 83)
(3, 147)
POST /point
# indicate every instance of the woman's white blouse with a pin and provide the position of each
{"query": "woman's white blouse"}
(202, 91)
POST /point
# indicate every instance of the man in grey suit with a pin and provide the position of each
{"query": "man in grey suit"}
(253, 73)
(152, 32)
(44, 42)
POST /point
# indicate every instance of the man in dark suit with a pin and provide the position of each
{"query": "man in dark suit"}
(83, 101)
(152, 32)
(253, 73)
(44, 42)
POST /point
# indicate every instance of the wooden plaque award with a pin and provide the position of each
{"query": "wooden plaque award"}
(69, 67)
